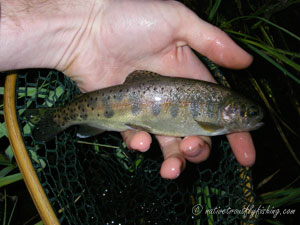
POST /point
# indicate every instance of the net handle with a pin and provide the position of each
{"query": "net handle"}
(21, 155)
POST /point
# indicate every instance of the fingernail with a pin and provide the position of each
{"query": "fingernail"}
(194, 150)
(174, 170)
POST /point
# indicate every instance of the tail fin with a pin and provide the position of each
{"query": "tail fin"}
(45, 127)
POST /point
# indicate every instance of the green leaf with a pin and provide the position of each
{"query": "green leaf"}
(39, 223)
(9, 153)
(1, 90)
(7, 170)
(4, 160)
(12, 212)
(36, 158)
(269, 22)
(272, 61)
(214, 10)
(3, 130)
(10, 179)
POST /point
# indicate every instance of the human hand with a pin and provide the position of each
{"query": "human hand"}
(114, 38)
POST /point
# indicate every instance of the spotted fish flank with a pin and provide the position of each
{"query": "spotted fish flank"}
(174, 110)
(135, 98)
(157, 104)
(195, 106)
(92, 102)
(108, 111)
(156, 107)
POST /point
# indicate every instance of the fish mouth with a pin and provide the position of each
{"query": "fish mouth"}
(256, 124)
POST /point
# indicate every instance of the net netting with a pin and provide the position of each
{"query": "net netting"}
(99, 181)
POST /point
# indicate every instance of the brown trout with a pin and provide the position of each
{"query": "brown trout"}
(157, 104)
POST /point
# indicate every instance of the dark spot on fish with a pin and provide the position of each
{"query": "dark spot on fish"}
(73, 117)
(58, 116)
(88, 105)
(98, 114)
(210, 111)
(156, 107)
(174, 110)
(195, 107)
(135, 103)
(108, 113)
(108, 97)
(119, 96)
(83, 116)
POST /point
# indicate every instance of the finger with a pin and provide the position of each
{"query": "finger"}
(210, 41)
(174, 161)
(137, 140)
(195, 148)
(242, 147)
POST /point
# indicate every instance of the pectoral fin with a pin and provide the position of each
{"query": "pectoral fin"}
(209, 127)
(86, 131)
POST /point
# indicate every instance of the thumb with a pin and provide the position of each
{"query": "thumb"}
(210, 41)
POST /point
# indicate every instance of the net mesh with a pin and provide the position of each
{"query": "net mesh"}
(99, 181)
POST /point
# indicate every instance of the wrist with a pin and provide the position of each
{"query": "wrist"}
(44, 34)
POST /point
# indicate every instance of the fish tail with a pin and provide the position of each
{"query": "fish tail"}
(45, 126)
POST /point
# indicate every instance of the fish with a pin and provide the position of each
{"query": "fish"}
(161, 105)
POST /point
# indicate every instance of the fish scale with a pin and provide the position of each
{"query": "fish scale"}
(157, 104)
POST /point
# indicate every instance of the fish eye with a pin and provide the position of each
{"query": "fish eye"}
(252, 111)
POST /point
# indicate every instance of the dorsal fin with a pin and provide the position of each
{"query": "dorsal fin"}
(141, 75)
